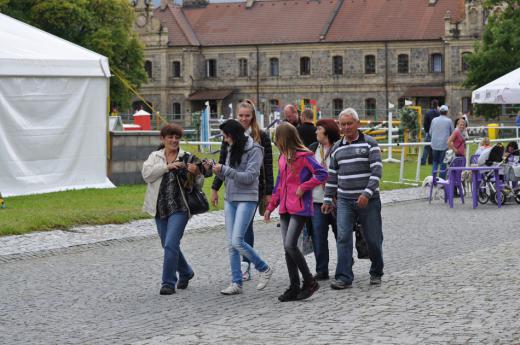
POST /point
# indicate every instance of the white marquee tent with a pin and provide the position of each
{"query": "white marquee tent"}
(53, 106)
(504, 90)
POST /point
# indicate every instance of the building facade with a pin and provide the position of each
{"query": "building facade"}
(355, 53)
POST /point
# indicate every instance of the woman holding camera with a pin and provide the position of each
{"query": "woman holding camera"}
(167, 172)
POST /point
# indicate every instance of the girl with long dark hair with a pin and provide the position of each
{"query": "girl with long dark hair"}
(240, 175)
(246, 115)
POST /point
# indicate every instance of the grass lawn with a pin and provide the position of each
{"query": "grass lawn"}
(63, 210)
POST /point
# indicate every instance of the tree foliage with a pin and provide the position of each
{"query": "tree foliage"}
(499, 51)
(103, 26)
(408, 118)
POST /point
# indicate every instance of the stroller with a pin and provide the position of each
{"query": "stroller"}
(510, 173)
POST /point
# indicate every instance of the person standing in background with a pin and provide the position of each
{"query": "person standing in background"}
(307, 130)
(428, 118)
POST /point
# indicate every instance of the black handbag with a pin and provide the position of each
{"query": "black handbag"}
(195, 198)
(361, 244)
(197, 201)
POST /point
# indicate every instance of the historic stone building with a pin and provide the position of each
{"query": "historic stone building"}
(359, 53)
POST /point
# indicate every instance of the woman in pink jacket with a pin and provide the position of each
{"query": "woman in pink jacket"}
(298, 174)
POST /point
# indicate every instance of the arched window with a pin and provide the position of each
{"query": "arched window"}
(176, 69)
(370, 64)
(467, 107)
(305, 65)
(337, 106)
(176, 111)
(337, 65)
(148, 68)
(274, 67)
(211, 68)
(242, 68)
(402, 63)
(370, 107)
(464, 62)
(436, 63)
(274, 105)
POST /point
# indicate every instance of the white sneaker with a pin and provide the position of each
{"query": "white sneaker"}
(264, 278)
(233, 289)
(246, 271)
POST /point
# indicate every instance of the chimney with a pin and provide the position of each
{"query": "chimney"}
(432, 2)
(250, 3)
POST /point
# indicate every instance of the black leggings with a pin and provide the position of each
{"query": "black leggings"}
(291, 226)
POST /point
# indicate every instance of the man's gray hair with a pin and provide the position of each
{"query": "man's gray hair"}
(349, 111)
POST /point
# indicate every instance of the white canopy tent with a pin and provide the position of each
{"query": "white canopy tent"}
(504, 90)
(53, 112)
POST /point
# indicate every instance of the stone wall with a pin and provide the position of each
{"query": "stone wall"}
(128, 151)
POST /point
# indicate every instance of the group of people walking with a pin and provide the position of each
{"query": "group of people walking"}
(323, 180)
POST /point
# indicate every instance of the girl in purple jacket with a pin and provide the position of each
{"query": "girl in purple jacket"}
(298, 174)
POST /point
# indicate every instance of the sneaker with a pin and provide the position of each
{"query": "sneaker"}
(183, 283)
(246, 271)
(308, 289)
(321, 276)
(339, 285)
(233, 289)
(167, 290)
(375, 280)
(264, 278)
(291, 294)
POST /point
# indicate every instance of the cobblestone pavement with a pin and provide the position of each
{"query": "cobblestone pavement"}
(40, 243)
(451, 277)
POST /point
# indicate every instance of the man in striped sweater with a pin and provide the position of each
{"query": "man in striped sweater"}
(354, 174)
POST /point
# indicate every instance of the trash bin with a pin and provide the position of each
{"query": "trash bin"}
(143, 119)
(493, 131)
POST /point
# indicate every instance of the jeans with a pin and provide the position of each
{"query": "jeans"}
(370, 219)
(249, 237)
(291, 227)
(320, 234)
(238, 215)
(170, 232)
(427, 152)
(438, 160)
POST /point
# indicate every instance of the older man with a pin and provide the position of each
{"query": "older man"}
(354, 173)
(291, 115)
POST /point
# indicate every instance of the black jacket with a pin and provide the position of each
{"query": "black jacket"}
(266, 183)
(307, 132)
(428, 118)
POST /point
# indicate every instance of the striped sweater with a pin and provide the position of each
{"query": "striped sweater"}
(354, 169)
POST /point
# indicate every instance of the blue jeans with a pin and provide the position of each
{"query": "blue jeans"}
(170, 232)
(249, 237)
(238, 215)
(320, 234)
(427, 150)
(370, 219)
(438, 161)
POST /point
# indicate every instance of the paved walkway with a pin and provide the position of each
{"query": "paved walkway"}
(40, 243)
(451, 277)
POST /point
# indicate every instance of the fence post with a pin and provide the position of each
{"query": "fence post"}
(401, 168)
(418, 171)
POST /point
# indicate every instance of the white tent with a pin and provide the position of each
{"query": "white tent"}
(53, 112)
(504, 90)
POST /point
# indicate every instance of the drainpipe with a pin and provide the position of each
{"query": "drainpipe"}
(386, 77)
(257, 76)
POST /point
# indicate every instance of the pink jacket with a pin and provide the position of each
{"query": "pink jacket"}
(305, 172)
